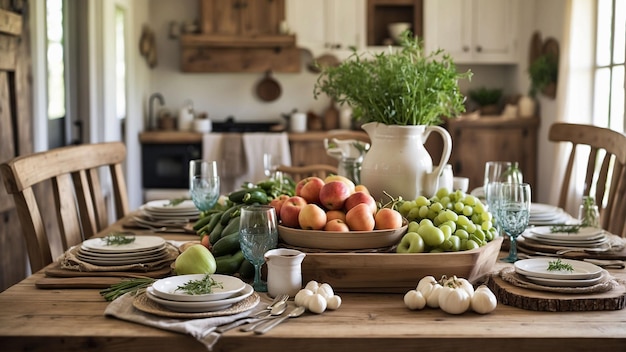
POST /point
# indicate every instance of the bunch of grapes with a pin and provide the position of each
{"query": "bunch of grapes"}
(449, 221)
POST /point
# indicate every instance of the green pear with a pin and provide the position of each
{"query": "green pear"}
(411, 242)
(196, 259)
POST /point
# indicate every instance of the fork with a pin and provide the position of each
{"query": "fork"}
(262, 314)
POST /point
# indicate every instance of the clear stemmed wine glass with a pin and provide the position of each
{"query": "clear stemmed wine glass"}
(512, 209)
(204, 184)
(258, 233)
(502, 171)
(270, 164)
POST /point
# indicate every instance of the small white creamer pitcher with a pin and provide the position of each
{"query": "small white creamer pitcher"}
(284, 275)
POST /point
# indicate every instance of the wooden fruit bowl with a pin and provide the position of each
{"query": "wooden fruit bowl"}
(352, 240)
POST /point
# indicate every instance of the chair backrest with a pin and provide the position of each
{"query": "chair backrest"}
(606, 169)
(76, 174)
(300, 172)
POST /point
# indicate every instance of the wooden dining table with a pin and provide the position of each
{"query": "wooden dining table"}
(66, 319)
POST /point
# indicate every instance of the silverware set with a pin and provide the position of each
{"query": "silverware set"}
(265, 320)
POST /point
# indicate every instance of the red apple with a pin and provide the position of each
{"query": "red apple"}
(360, 218)
(361, 188)
(335, 214)
(309, 189)
(312, 217)
(290, 210)
(387, 219)
(360, 198)
(277, 203)
(336, 225)
(334, 194)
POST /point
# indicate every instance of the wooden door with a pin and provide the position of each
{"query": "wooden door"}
(15, 131)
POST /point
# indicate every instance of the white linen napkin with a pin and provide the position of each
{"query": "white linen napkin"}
(256, 144)
(202, 329)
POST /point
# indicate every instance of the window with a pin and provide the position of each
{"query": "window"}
(56, 88)
(609, 93)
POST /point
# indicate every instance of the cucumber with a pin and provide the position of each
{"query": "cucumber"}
(246, 270)
(229, 213)
(233, 226)
(237, 196)
(215, 235)
(229, 264)
(202, 222)
(208, 228)
(256, 197)
(226, 245)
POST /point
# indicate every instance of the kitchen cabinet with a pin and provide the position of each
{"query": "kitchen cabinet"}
(478, 140)
(327, 26)
(473, 31)
(242, 17)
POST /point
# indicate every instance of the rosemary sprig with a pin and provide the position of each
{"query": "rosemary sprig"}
(558, 265)
(200, 287)
(174, 202)
(118, 239)
(565, 228)
(125, 286)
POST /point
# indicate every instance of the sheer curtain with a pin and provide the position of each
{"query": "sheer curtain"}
(575, 93)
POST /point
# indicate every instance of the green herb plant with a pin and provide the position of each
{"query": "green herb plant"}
(118, 239)
(401, 86)
(174, 202)
(564, 228)
(558, 265)
(200, 287)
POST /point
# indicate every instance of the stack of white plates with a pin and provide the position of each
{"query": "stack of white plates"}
(586, 237)
(545, 214)
(164, 210)
(144, 249)
(166, 292)
(536, 270)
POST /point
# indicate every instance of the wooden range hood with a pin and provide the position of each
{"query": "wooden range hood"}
(240, 36)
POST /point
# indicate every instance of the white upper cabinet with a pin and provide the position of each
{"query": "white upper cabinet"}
(327, 26)
(473, 31)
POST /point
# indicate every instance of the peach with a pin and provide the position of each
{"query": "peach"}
(336, 225)
(360, 198)
(309, 189)
(277, 203)
(290, 211)
(360, 218)
(312, 217)
(347, 181)
(387, 219)
(334, 194)
(335, 214)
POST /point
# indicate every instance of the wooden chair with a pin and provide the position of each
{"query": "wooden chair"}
(300, 172)
(606, 162)
(75, 175)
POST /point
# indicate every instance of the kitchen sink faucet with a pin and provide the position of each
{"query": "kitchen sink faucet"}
(151, 117)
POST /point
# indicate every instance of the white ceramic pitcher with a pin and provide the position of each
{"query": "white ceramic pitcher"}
(398, 163)
(284, 273)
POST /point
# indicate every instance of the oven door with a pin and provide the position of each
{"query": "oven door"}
(167, 165)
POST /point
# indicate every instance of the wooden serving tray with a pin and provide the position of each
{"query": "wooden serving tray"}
(523, 298)
(396, 272)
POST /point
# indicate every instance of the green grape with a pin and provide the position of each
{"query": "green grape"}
(421, 201)
(468, 211)
(442, 192)
(447, 231)
(413, 225)
(461, 233)
(436, 207)
(431, 235)
(470, 244)
(423, 211)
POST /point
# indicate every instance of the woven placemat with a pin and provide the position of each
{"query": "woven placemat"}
(606, 284)
(145, 304)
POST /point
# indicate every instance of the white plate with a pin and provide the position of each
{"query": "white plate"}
(112, 255)
(122, 261)
(197, 307)
(140, 243)
(565, 282)
(539, 208)
(585, 233)
(163, 206)
(538, 267)
(601, 240)
(167, 288)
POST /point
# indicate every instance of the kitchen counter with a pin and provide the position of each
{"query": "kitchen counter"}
(174, 137)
